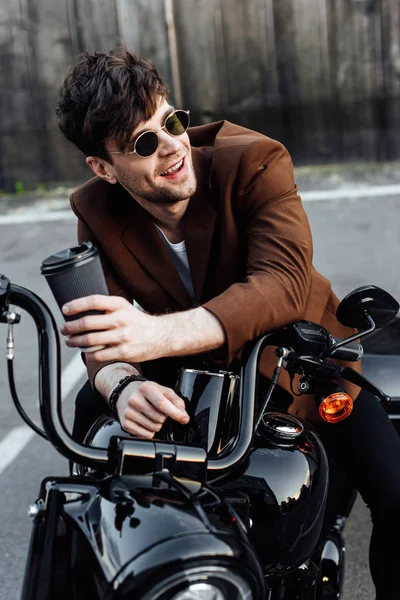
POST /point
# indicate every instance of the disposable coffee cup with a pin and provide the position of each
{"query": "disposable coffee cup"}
(74, 273)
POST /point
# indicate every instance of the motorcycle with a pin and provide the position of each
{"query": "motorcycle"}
(224, 508)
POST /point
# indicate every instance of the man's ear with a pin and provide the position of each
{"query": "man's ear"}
(101, 168)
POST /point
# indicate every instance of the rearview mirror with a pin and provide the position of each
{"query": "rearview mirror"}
(368, 299)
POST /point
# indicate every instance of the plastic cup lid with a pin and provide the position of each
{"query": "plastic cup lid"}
(68, 257)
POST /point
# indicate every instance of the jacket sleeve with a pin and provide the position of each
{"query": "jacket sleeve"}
(114, 286)
(279, 250)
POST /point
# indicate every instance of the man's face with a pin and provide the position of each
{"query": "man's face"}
(151, 178)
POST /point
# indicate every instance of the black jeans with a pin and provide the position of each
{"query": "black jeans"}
(88, 408)
(365, 447)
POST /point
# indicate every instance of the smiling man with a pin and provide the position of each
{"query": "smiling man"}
(201, 228)
(205, 245)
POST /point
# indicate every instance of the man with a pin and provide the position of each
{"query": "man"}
(205, 245)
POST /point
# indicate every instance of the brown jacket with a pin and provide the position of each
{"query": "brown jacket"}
(247, 237)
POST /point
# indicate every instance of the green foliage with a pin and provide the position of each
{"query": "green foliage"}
(19, 187)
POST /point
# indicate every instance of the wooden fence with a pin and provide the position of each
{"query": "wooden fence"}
(322, 76)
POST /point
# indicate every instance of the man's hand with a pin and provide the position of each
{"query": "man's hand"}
(124, 330)
(143, 407)
(133, 336)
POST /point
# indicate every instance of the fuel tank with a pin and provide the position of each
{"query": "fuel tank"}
(286, 481)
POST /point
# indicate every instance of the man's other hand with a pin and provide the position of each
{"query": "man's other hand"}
(143, 407)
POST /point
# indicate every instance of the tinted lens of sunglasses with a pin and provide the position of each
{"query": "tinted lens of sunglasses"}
(146, 144)
(177, 123)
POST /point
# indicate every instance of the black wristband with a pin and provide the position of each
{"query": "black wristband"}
(112, 401)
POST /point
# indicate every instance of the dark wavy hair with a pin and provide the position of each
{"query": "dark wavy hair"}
(105, 97)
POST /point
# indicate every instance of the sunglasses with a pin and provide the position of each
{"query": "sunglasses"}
(146, 143)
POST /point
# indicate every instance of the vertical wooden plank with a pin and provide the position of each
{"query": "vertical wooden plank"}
(228, 62)
(14, 91)
(390, 15)
(34, 56)
(289, 85)
(342, 63)
(312, 66)
(26, 154)
(20, 123)
(50, 56)
(272, 77)
(142, 26)
(367, 26)
(355, 48)
(250, 66)
(97, 22)
(201, 58)
(173, 53)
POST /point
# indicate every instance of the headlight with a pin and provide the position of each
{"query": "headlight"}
(200, 591)
(201, 583)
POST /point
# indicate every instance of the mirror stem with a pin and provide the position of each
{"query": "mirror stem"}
(352, 338)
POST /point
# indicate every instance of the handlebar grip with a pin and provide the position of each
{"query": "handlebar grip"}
(350, 352)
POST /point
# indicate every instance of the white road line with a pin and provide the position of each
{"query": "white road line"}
(16, 440)
(351, 192)
(37, 217)
(343, 193)
(13, 444)
(73, 372)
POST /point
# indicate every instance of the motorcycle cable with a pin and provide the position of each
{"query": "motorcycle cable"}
(234, 517)
(169, 478)
(17, 404)
(11, 318)
(217, 500)
(282, 353)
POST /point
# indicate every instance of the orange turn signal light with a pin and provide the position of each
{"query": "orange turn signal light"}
(336, 407)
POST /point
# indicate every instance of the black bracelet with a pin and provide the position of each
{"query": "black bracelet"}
(122, 383)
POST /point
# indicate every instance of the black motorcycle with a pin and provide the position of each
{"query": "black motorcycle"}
(229, 507)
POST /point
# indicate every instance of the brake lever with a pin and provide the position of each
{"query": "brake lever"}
(353, 377)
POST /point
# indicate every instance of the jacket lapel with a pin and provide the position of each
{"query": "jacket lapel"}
(143, 241)
(199, 223)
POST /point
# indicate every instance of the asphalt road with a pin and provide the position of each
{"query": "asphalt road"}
(355, 242)
(23, 247)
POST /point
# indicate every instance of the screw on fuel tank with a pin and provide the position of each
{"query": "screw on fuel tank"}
(281, 428)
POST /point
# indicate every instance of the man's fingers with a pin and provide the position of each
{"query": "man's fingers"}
(143, 420)
(152, 413)
(94, 302)
(175, 399)
(156, 395)
(118, 353)
(137, 402)
(135, 429)
(93, 338)
(89, 323)
(112, 353)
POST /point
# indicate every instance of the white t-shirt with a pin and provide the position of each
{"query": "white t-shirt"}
(179, 257)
